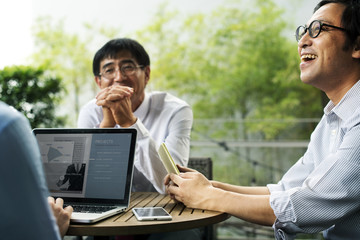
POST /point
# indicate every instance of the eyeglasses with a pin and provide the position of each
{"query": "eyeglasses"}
(314, 28)
(126, 69)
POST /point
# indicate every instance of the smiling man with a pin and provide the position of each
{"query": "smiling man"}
(122, 71)
(321, 191)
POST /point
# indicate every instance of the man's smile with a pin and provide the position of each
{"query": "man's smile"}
(308, 57)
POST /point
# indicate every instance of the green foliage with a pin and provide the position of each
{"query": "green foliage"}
(67, 56)
(234, 63)
(33, 93)
(240, 73)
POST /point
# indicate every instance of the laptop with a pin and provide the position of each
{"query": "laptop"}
(91, 169)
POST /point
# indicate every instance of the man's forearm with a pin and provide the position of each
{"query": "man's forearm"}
(251, 208)
(240, 189)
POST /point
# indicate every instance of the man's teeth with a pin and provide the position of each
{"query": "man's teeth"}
(308, 56)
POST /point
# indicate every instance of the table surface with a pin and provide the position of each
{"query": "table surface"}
(126, 223)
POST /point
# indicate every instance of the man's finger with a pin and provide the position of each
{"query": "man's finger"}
(102, 94)
(177, 179)
(167, 179)
(69, 209)
(188, 175)
(185, 169)
(173, 190)
(59, 201)
(102, 103)
(115, 97)
(51, 199)
(126, 89)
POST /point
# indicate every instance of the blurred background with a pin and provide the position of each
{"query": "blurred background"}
(234, 61)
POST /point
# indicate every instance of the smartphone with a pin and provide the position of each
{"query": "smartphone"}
(151, 213)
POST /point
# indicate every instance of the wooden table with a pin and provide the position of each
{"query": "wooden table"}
(126, 223)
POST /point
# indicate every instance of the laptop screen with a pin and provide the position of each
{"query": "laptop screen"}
(86, 165)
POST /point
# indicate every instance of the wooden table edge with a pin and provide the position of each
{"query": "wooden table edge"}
(162, 226)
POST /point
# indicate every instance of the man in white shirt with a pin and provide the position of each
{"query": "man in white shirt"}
(122, 70)
(321, 191)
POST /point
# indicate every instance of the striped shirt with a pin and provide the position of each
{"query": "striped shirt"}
(321, 191)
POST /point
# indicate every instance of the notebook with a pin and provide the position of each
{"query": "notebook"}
(167, 160)
(91, 169)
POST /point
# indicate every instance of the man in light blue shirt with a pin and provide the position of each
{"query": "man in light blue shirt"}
(26, 212)
(321, 191)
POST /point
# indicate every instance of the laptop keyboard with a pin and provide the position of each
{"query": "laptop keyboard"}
(91, 209)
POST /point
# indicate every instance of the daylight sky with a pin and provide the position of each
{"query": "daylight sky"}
(17, 17)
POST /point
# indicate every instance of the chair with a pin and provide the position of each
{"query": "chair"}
(204, 166)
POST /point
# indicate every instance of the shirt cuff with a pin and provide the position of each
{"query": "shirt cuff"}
(275, 187)
(142, 131)
(282, 206)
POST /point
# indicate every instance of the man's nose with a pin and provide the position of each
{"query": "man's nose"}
(305, 40)
(119, 76)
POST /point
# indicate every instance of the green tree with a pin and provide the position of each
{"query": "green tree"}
(237, 64)
(66, 55)
(234, 63)
(33, 93)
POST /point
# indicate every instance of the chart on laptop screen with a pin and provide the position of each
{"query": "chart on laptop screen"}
(85, 165)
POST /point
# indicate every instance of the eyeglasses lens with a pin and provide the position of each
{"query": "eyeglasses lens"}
(126, 70)
(314, 29)
(300, 32)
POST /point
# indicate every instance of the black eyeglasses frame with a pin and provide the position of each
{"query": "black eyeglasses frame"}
(306, 29)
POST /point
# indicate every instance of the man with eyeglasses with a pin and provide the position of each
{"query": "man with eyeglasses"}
(321, 192)
(122, 71)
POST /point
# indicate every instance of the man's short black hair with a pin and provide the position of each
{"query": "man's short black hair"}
(350, 19)
(114, 46)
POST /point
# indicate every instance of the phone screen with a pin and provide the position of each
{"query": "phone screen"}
(151, 213)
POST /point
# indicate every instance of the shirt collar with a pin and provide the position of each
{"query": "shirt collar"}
(347, 105)
(142, 110)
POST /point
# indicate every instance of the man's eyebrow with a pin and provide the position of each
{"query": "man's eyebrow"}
(113, 63)
(325, 21)
(107, 65)
(127, 61)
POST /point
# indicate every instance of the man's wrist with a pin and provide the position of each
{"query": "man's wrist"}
(129, 123)
(106, 125)
(108, 120)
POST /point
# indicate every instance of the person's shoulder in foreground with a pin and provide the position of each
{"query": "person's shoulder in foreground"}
(26, 213)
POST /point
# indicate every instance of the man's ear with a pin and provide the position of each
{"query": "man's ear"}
(98, 81)
(356, 49)
(147, 74)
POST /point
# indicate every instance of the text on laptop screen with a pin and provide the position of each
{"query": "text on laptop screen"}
(85, 165)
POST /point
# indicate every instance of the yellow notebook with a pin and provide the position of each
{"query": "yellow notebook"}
(167, 160)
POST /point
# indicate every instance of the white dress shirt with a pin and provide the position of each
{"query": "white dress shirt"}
(321, 192)
(161, 117)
